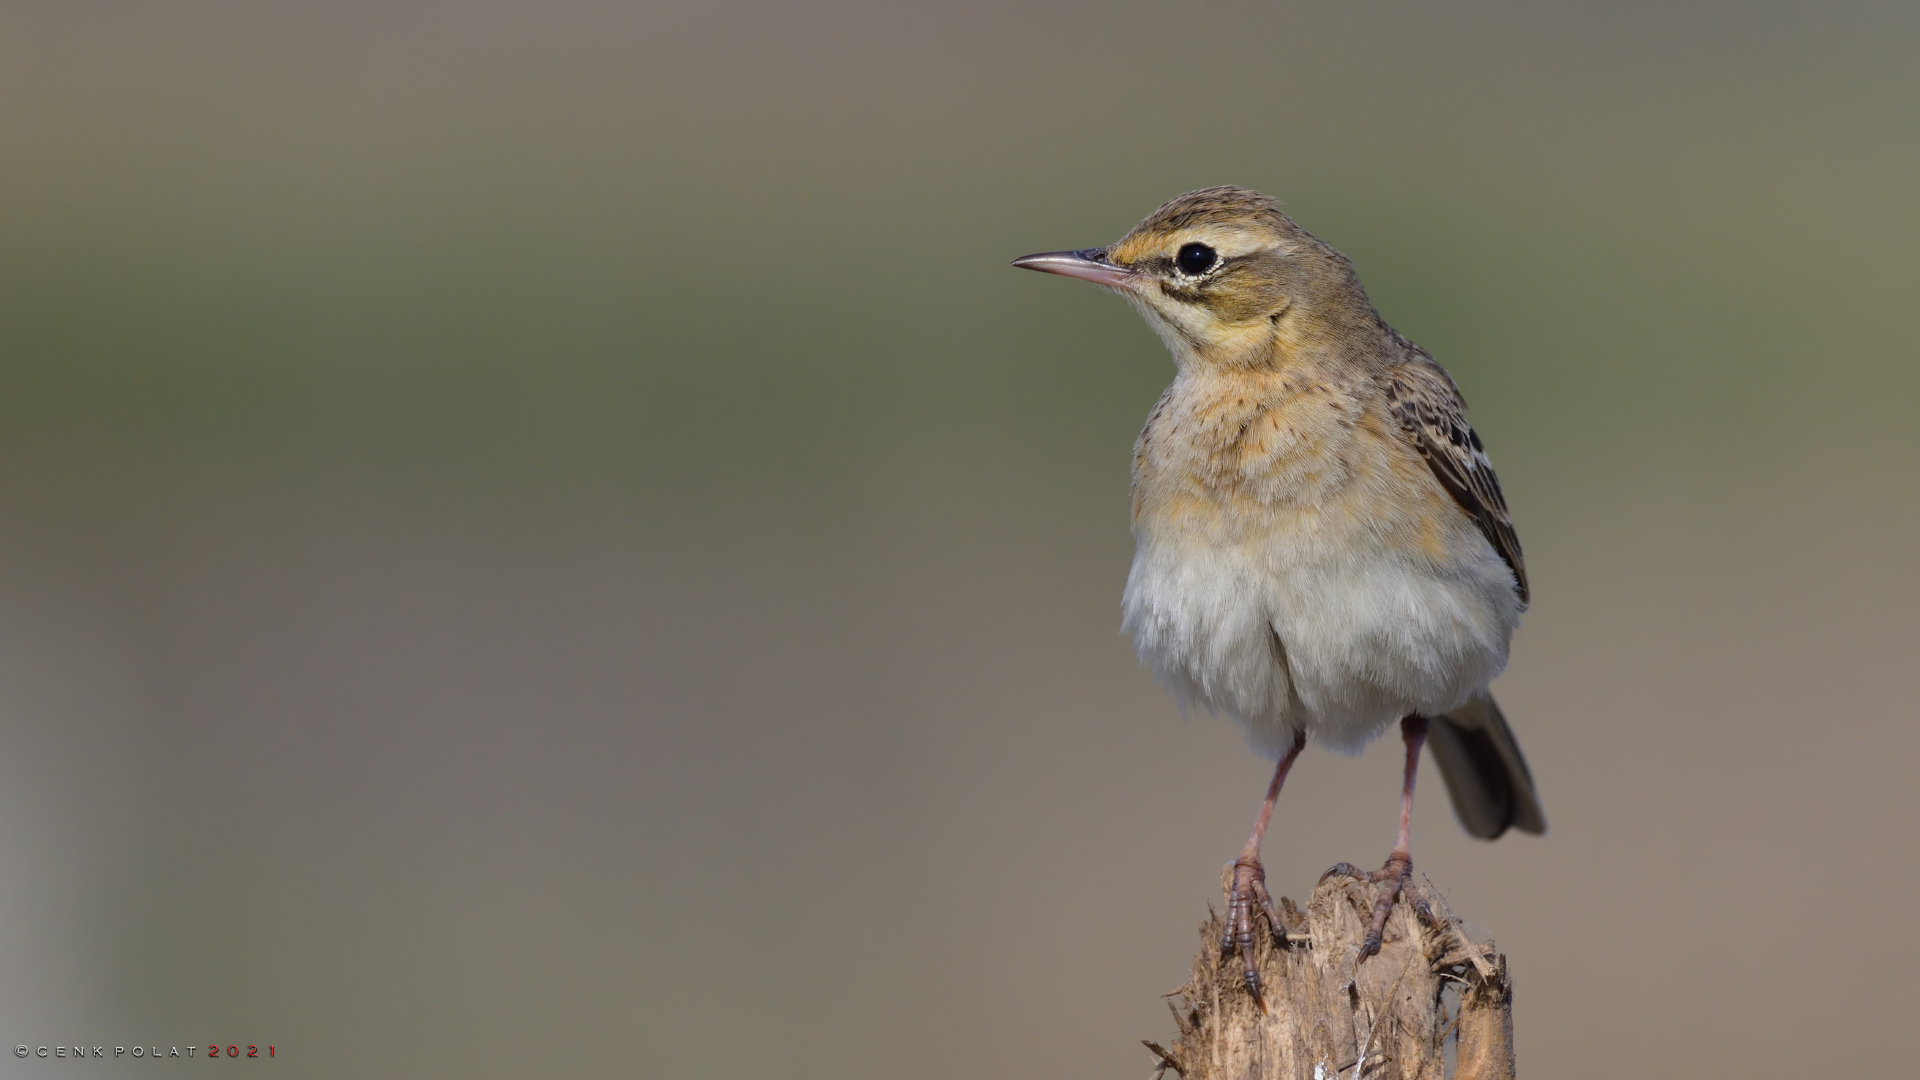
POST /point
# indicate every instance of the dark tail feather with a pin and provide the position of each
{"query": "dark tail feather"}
(1485, 773)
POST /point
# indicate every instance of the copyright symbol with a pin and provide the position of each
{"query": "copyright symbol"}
(19, 1051)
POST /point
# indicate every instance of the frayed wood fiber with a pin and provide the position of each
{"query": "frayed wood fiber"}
(1391, 1018)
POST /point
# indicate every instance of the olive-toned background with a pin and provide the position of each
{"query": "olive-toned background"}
(545, 539)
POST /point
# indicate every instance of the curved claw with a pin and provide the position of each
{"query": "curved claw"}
(1394, 876)
(1249, 888)
(1344, 869)
(1276, 927)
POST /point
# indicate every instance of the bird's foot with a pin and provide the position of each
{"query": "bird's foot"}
(1392, 878)
(1249, 887)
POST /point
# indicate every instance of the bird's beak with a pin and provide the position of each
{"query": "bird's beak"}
(1089, 264)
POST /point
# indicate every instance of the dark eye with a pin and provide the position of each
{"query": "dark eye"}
(1195, 259)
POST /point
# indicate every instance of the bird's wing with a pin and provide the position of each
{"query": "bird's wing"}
(1431, 412)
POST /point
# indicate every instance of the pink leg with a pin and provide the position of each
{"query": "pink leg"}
(1399, 867)
(1250, 881)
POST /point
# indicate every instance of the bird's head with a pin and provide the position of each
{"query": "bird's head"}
(1224, 278)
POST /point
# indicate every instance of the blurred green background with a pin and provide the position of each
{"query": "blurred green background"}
(547, 539)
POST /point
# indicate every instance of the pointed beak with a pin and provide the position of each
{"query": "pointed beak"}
(1088, 265)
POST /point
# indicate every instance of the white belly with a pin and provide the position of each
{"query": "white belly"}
(1336, 639)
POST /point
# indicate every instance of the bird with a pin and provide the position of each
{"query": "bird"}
(1322, 548)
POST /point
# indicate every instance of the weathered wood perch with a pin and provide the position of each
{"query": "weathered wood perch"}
(1391, 1018)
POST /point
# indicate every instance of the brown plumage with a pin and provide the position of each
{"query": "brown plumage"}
(1322, 545)
(1430, 410)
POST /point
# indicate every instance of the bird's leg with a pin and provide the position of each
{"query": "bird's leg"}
(1399, 867)
(1250, 881)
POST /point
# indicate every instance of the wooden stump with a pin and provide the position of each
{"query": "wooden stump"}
(1389, 1018)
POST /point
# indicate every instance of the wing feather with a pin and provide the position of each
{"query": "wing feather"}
(1430, 410)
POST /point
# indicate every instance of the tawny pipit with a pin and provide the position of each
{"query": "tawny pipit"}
(1322, 546)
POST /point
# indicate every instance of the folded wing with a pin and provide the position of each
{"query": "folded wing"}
(1433, 415)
